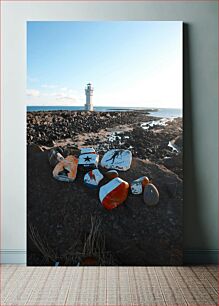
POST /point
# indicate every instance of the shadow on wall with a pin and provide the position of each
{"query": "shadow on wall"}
(192, 215)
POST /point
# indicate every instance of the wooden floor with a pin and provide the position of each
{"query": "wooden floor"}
(105, 286)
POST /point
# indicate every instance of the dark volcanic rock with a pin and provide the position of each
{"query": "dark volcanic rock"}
(49, 128)
(45, 127)
(135, 234)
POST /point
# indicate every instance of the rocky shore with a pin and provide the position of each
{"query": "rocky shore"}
(47, 127)
(60, 214)
(138, 132)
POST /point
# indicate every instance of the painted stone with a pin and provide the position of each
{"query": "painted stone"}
(66, 170)
(113, 193)
(111, 174)
(87, 150)
(137, 186)
(92, 178)
(89, 160)
(117, 159)
(151, 195)
(55, 156)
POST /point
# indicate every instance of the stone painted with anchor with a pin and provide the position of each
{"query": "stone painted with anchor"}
(117, 159)
(113, 193)
(151, 195)
(93, 178)
(137, 186)
(66, 170)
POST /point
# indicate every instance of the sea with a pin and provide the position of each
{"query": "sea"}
(156, 112)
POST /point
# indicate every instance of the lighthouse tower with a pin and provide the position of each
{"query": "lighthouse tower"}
(89, 95)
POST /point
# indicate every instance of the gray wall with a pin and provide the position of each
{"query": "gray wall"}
(200, 109)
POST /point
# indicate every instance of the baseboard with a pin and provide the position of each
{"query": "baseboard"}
(191, 257)
(200, 257)
(13, 256)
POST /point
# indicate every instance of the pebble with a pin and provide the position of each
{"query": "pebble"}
(151, 195)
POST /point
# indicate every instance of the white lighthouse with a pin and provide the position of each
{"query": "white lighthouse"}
(89, 95)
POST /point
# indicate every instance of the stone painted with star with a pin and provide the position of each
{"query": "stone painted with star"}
(93, 178)
(113, 193)
(88, 158)
(117, 159)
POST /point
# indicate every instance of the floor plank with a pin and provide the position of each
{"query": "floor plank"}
(109, 286)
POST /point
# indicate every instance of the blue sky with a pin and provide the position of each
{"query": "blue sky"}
(134, 63)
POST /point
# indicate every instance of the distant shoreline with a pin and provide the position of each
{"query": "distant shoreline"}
(157, 112)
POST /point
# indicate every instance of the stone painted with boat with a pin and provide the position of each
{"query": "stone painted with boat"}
(93, 178)
(66, 169)
(137, 186)
(117, 159)
(151, 195)
(113, 193)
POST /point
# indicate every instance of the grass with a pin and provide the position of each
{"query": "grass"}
(92, 250)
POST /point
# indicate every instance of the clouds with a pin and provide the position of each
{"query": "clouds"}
(67, 95)
(33, 92)
(47, 96)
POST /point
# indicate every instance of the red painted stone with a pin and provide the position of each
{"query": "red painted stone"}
(113, 193)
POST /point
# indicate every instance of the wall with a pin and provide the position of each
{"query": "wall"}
(200, 111)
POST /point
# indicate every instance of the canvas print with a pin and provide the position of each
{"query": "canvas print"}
(104, 143)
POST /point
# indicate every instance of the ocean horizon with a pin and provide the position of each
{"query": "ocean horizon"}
(156, 112)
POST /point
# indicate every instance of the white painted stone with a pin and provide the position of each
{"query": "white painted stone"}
(117, 159)
(87, 150)
(88, 160)
(136, 187)
(92, 178)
